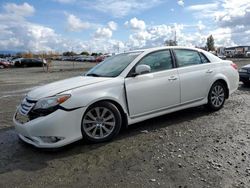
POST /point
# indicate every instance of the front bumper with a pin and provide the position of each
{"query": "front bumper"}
(65, 125)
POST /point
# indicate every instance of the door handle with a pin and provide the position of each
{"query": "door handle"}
(209, 71)
(171, 78)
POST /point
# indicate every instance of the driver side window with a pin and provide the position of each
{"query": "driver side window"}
(158, 61)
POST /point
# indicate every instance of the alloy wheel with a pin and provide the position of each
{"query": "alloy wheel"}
(99, 122)
(217, 96)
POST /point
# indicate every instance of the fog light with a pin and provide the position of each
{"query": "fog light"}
(51, 139)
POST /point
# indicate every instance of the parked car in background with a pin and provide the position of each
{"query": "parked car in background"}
(100, 58)
(66, 58)
(90, 59)
(16, 61)
(244, 73)
(81, 59)
(223, 57)
(122, 90)
(29, 62)
(4, 64)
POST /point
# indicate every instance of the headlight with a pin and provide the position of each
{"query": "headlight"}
(50, 102)
(243, 70)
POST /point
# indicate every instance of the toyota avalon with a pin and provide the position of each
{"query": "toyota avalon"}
(122, 90)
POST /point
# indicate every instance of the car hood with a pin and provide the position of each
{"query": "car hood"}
(63, 85)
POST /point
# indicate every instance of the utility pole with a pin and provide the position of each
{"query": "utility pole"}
(175, 39)
(118, 47)
(72, 48)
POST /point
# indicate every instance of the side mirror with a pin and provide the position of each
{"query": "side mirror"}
(142, 69)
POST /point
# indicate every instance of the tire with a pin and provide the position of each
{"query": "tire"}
(2, 67)
(216, 96)
(101, 122)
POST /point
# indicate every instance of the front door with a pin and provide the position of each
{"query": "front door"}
(155, 91)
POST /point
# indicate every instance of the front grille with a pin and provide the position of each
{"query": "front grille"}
(26, 106)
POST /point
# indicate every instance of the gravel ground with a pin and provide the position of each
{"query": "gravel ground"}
(190, 148)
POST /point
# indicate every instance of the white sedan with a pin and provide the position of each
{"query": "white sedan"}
(124, 89)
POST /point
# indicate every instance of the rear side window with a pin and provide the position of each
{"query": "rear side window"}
(204, 59)
(187, 57)
(211, 57)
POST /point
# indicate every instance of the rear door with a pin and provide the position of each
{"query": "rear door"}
(195, 72)
(154, 91)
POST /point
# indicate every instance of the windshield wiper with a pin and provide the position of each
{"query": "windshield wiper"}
(93, 74)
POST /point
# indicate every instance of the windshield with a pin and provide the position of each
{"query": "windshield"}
(113, 66)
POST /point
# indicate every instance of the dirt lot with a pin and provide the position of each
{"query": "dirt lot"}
(191, 148)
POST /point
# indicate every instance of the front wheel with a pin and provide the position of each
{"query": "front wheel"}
(101, 122)
(216, 96)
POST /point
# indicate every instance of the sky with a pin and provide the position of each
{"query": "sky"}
(116, 25)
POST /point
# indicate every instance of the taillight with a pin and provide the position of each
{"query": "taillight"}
(234, 66)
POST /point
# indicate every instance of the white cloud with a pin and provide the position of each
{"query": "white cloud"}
(202, 7)
(139, 39)
(19, 10)
(234, 13)
(106, 32)
(17, 33)
(28, 36)
(229, 18)
(160, 29)
(227, 11)
(103, 33)
(135, 24)
(119, 8)
(228, 22)
(203, 11)
(180, 2)
(75, 24)
(143, 35)
(200, 25)
(154, 35)
(223, 37)
(112, 25)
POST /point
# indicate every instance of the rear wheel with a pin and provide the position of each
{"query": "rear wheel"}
(101, 122)
(1, 67)
(216, 96)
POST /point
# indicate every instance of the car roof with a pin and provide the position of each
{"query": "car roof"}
(165, 48)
